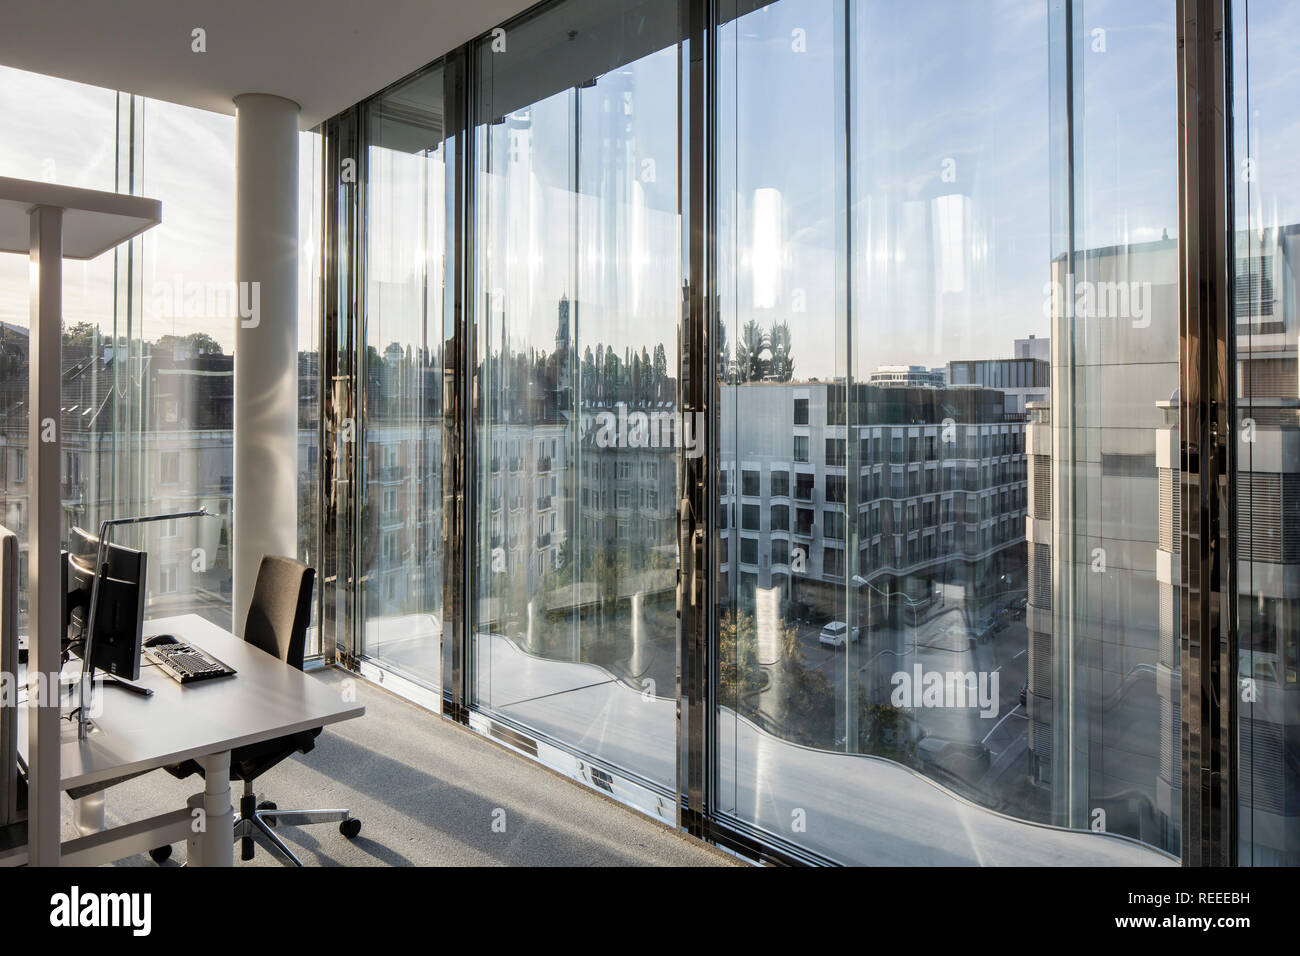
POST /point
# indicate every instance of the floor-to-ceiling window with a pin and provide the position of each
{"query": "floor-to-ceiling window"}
(577, 301)
(1266, 144)
(69, 135)
(148, 335)
(937, 469)
(942, 251)
(399, 495)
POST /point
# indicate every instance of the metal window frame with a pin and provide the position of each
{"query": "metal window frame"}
(1208, 594)
(1207, 435)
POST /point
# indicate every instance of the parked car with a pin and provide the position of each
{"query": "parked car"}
(835, 634)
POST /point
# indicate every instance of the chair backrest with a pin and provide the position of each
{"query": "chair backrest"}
(281, 608)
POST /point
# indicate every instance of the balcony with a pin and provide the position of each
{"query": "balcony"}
(544, 503)
(544, 540)
(72, 492)
(544, 464)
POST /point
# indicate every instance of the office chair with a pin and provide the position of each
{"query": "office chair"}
(277, 623)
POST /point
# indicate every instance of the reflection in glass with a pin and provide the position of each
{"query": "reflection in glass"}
(577, 436)
(938, 486)
(1268, 457)
(400, 499)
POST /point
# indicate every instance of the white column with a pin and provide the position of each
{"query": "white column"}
(44, 533)
(266, 361)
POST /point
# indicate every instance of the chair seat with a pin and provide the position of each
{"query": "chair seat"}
(249, 763)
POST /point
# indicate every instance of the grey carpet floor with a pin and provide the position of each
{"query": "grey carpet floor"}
(427, 792)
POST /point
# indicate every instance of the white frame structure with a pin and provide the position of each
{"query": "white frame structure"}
(49, 223)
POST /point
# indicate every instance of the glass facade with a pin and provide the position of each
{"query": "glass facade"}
(576, 435)
(399, 503)
(1267, 264)
(934, 259)
(148, 336)
(777, 415)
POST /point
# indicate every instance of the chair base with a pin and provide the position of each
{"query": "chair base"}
(255, 825)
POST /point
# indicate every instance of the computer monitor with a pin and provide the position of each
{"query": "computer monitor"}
(119, 616)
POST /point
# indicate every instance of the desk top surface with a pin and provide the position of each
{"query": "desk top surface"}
(264, 700)
(94, 221)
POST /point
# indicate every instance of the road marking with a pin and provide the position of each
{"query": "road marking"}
(1021, 654)
(1000, 723)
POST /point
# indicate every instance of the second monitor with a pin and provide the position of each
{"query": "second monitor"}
(119, 616)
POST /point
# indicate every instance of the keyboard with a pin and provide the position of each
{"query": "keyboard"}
(185, 663)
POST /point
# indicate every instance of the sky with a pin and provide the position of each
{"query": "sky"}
(927, 216)
(64, 132)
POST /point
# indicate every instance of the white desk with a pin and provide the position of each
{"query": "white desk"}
(202, 721)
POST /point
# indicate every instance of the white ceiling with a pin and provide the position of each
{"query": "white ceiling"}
(323, 54)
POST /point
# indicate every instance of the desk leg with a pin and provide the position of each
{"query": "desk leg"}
(215, 845)
(89, 813)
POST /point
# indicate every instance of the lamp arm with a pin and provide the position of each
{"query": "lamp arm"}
(101, 570)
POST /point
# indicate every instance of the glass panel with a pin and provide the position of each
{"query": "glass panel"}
(578, 297)
(174, 441)
(968, 591)
(60, 132)
(1112, 711)
(400, 506)
(310, 185)
(1266, 144)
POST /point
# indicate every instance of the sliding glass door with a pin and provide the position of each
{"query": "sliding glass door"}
(1266, 145)
(935, 307)
(400, 379)
(576, 437)
(950, 345)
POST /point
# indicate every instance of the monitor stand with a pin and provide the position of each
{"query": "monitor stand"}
(111, 680)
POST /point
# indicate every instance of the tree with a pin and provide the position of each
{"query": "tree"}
(751, 366)
(884, 730)
(83, 335)
(806, 707)
(781, 366)
(660, 371)
(200, 343)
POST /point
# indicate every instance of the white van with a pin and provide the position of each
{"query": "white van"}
(835, 633)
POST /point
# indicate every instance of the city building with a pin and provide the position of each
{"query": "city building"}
(820, 428)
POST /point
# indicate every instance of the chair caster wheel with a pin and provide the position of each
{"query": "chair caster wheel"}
(267, 806)
(350, 828)
(160, 854)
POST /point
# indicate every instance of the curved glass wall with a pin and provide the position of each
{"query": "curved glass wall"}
(945, 371)
(576, 438)
(940, 260)
(1267, 233)
(400, 373)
